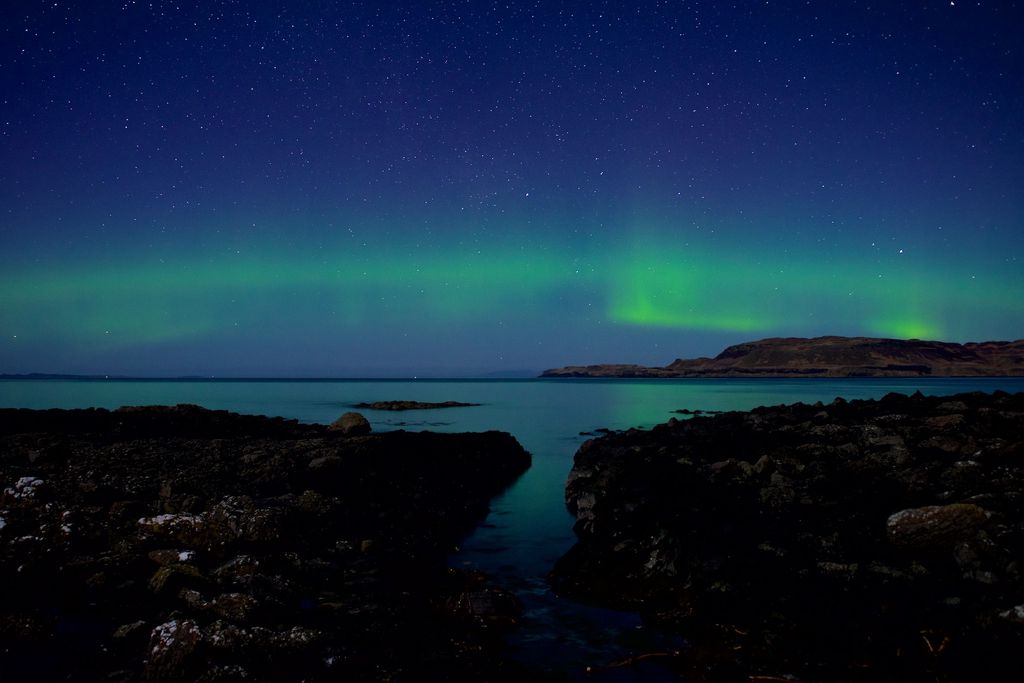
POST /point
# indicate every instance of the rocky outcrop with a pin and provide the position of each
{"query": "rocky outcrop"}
(351, 424)
(180, 544)
(859, 541)
(413, 405)
(831, 357)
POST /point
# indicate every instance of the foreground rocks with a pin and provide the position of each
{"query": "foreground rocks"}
(180, 544)
(861, 541)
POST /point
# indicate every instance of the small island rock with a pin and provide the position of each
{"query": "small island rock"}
(413, 405)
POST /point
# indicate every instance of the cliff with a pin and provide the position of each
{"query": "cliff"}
(832, 357)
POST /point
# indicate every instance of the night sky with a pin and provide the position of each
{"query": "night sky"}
(369, 189)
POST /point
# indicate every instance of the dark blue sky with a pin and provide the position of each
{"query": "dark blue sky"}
(345, 188)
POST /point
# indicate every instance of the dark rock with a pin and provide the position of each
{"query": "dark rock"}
(325, 462)
(239, 519)
(880, 541)
(185, 528)
(945, 422)
(165, 557)
(131, 630)
(230, 673)
(173, 648)
(236, 607)
(351, 424)
(935, 526)
(170, 579)
(251, 563)
(243, 565)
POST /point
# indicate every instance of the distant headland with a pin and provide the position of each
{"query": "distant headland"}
(832, 357)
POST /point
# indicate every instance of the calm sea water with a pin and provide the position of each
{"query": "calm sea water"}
(528, 528)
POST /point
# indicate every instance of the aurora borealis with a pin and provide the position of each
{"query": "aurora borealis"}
(321, 189)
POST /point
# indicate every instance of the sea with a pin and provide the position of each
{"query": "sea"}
(528, 527)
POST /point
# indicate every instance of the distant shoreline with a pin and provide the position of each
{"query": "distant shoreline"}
(830, 357)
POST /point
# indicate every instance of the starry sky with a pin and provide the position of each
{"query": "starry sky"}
(461, 188)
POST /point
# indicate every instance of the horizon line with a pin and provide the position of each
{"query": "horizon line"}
(43, 376)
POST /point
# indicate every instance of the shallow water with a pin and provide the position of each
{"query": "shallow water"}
(528, 528)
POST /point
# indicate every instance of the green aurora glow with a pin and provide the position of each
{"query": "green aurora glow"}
(132, 302)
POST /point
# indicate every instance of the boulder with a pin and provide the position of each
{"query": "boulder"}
(935, 526)
(351, 424)
(173, 648)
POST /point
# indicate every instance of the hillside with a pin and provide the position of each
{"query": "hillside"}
(831, 357)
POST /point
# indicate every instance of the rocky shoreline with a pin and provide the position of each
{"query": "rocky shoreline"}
(855, 541)
(182, 544)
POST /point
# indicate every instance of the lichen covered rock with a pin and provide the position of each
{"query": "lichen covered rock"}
(935, 526)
